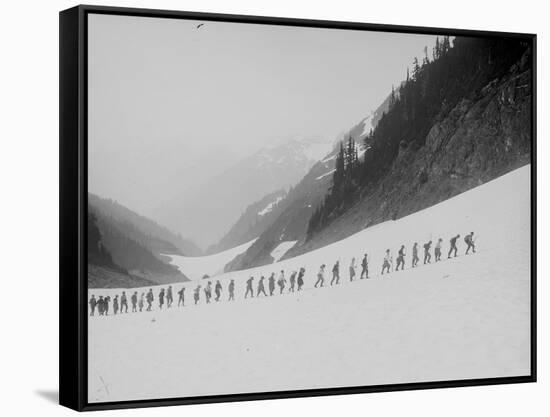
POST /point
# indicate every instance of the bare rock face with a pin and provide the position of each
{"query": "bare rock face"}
(481, 138)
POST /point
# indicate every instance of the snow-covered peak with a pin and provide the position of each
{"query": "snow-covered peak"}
(302, 152)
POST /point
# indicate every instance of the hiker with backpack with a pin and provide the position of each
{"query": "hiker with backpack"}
(249, 289)
(197, 294)
(123, 302)
(320, 276)
(261, 289)
(134, 302)
(100, 305)
(415, 258)
(292, 281)
(281, 282)
(181, 297)
(469, 239)
(161, 298)
(169, 297)
(208, 292)
(115, 305)
(401, 258)
(352, 269)
(300, 280)
(106, 302)
(271, 283)
(231, 289)
(364, 267)
(335, 273)
(427, 254)
(453, 248)
(93, 304)
(141, 302)
(150, 298)
(218, 290)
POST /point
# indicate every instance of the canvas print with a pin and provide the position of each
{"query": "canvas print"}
(281, 208)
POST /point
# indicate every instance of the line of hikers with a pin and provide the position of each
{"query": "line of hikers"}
(295, 280)
(453, 250)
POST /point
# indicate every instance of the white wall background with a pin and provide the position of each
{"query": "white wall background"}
(29, 205)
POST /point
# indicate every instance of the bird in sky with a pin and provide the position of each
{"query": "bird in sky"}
(199, 25)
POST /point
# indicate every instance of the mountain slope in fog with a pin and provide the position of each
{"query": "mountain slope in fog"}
(208, 211)
(295, 210)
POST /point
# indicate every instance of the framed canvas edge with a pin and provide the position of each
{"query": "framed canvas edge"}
(73, 209)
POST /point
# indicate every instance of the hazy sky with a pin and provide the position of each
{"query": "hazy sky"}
(170, 104)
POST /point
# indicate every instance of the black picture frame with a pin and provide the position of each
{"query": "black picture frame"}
(73, 208)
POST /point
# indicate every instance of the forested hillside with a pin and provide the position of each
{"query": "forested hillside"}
(125, 249)
(103, 272)
(148, 233)
(460, 118)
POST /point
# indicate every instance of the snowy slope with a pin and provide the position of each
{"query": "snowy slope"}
(281, 249)
(197, 266)
(462, 318)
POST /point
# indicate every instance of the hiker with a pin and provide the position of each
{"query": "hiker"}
(261, 289)
(388, 262)
(231, 289)
(197, 294)
(469, 239)
(93, 303)
(300, 280)
(364, 267)
(115, 305)
(161, 298)
(218, 290)
(249, 289)
(208, 292)
(292, 281)
(100, 305)
(352, 269)
(427, 254)
(106, 302)
(335, 273)
(320, 276)
(415, 255)
(281, 281)
(134, 302)
(400, 258)
(150, 298)
(141, 302)
(271, 283)
(169, 297)
(181, 297)
(437, 250)
(123, 303)
(453, 248)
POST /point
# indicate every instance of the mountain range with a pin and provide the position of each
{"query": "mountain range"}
(207, 212)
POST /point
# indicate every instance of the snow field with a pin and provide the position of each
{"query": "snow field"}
(195, 267)
(467, 317)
